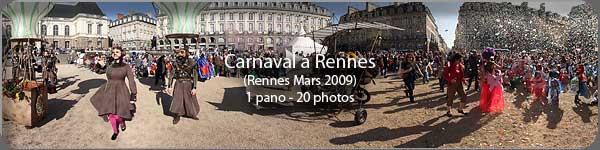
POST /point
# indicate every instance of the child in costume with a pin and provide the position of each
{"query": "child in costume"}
(538, 85)
(582, 86)
(554, 88)
(564, 79)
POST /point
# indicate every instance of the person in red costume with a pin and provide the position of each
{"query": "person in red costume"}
(493, 101)
(454, 74)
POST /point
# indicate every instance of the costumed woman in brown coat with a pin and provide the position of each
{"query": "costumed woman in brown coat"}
(113, 101)
(185, 71)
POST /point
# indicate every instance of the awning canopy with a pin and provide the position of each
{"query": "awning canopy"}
(322, 33)
(305, 45)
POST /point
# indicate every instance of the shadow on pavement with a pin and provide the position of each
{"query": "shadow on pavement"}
(63, 83)
(437, 135)
(584, 112)
(342, 124)
(149, 81)
(87, 85)
(165, 99)
(235, 99)
(57, 109)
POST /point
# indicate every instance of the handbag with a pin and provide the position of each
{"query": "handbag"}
(132, 101)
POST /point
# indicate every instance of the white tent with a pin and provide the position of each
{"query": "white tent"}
(304, 45)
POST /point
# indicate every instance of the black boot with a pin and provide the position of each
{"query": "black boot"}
(448, 114)
(411, 96)
(114, 136)
(462, 112)
(105, 118)
(176, 119)
(123, 127)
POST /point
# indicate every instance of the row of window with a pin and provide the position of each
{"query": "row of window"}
(130, 31)
(133, 18)
(268, 40)
(261, 16)
(241, 27)
(271, 4)
(68, 44)
(67, 30)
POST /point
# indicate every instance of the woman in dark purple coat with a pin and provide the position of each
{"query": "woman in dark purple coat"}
(113, 101)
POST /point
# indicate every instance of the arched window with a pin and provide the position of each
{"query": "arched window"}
(44, 30)
(8, 30)
(67, 30)
(161, 42)
(221, 28)
(55, 30)
(279, 41)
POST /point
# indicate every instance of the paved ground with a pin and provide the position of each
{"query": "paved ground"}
(228, 121)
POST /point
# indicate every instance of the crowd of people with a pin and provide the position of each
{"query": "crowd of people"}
(508, 26)
(543, 75)
(584, 27)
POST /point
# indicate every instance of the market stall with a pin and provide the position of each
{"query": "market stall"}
(24, 98)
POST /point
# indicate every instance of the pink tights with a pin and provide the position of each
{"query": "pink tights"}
(113, 119)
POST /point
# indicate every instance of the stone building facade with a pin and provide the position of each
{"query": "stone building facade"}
(80, 26)
(508, 26)
(421, 32)
(6, 29)
(133, 32)
(248, 25)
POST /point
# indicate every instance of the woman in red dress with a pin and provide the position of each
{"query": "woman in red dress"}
(494, 100)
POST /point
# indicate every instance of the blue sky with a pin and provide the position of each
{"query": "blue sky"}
(445, 13)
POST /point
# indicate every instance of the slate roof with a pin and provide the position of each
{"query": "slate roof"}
(70, 11)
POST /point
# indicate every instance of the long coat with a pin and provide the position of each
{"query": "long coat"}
(113, 97)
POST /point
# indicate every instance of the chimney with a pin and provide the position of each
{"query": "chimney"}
(352, 10)
(119, 16)
(543, 6)
(524, 4)
(371, 6)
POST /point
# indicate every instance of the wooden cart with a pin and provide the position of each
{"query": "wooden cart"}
(29, 110)
(32, 107)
